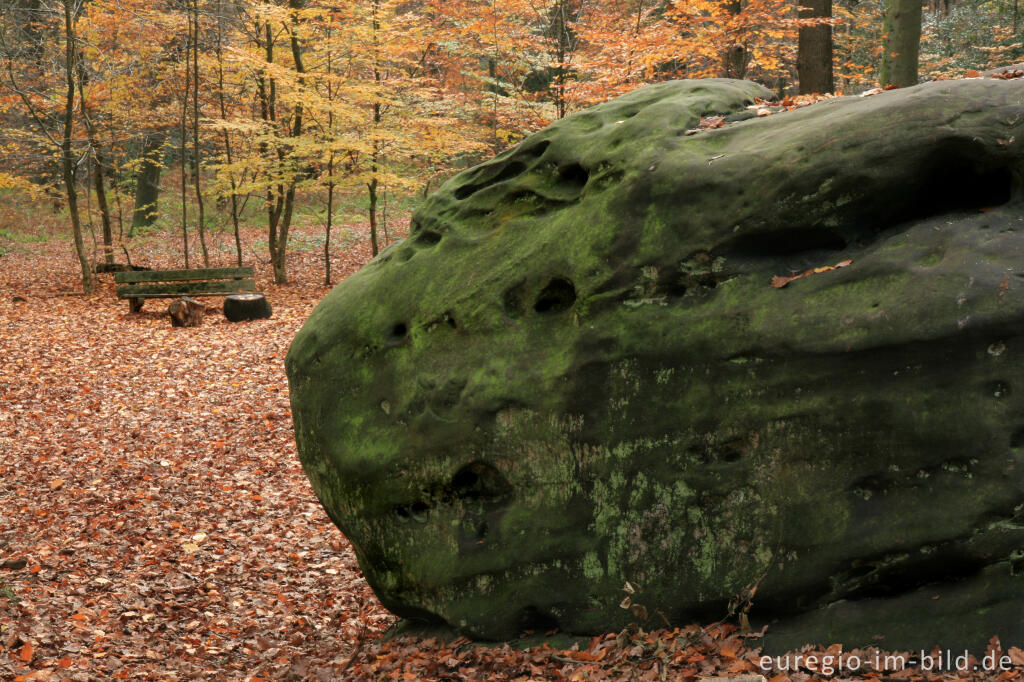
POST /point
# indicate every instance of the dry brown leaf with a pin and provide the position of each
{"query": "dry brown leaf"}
(779, 282)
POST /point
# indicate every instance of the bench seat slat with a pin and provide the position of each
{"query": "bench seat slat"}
(130, 276)
(154, 290)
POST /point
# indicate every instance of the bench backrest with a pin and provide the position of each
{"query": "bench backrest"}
(165, 283)
(130, 276)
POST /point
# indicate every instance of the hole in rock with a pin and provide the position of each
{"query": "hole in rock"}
(1016, 566)
(428, 238)
(450, 320)
(731, 454)
(676, 289)
(958, 180)
(1017, 439)
(532, 618)
(479, 481)
(535, 151)
(499, 174)
(398, 332)
(558, 296)
(573, 175)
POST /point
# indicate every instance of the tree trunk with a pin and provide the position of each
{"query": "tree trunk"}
(97, 155)
(330, 171)
(372, 187)
(227, 137)
(267, 90)
(67, 159)
(196, 165)
(372, 184)
(734, 58)
(814, 51)
(279, 240)
(327, 229)
(183, 148)
(104, 206)
(900, 43)
(147, 183)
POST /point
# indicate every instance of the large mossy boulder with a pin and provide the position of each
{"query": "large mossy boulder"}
(575, 373)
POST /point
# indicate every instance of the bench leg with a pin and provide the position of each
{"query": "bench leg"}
(135, 304)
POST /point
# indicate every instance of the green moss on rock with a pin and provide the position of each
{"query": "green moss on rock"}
(574, 372)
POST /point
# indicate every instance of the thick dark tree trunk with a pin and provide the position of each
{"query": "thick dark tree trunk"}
(814, 53)
(901, 43)
(734, 59)
(147, 183)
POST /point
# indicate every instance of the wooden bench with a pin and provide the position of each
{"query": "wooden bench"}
(142, 284)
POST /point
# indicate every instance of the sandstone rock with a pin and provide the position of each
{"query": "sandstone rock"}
(575, 372)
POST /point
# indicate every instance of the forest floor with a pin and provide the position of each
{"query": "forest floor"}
(155, 522)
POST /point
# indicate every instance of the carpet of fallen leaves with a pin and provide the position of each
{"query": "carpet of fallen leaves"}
(154, 520)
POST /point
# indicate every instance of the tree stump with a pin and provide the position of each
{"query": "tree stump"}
(239, 307)
(186, 312)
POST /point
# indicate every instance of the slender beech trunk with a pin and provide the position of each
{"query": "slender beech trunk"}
(901, 43)
(267, 90)
(330, 218)
(196, 163)
(97, 156)
(561, 53)
(184, 154)
(227, 136)
(814, 49)
(375, 156)
(280, 254)
(67, 160)
(330, 167)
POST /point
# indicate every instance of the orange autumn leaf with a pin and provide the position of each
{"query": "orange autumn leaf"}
(779, 282)
(26, 652)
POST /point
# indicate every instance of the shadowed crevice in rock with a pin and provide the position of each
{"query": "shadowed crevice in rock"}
(576, 373)
(557, 297)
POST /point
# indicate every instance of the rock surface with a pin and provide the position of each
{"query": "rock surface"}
(575, 372)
